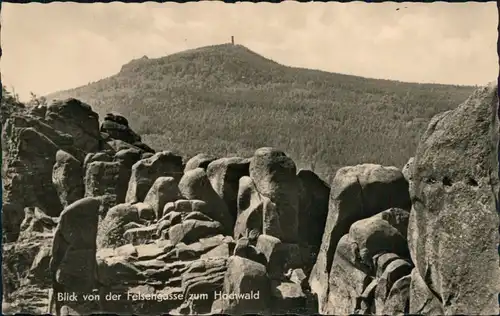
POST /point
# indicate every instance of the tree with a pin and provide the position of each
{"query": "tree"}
(36, 100)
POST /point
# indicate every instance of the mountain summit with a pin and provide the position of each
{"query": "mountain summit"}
(217, 65)
(226, 99)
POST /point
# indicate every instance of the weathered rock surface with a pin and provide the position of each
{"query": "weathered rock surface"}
(73, 261)
(67, 177)
(108, 182)
(164, 190)
(118, 145)
(195, 185)
(116, 126)
(113, 226)
(146, 171)
(36, 223)
(201, 282)
(275, 177)
(27, 169)
(76, 118)
(453, 231)
(167, 231)
(12, 217)
(192, 230)
(287, 298)
(356, 193)
(368, 261)
(201, 160)
(99, 156)
(128, 157)
(249, 280)
(224, 175)
(280, 257)
(313, 208)
(250, 208)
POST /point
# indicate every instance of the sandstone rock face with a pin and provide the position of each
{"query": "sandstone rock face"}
(67, 177)
(408, 169)
(287, 298)
(116, 126)
(117, 145)
(113, 226)
(364, 272)
(164, 190)
(453, 232)
(204, 277)
(195, 185)
(107, 181)
(244, 277)
(255, 212)
(36, 224)
(100, 156)
(12, 217)
(250, 208)
(27, 169)
(77, 119)
(357, 192)
(128, 157)
(274, 175)
(314, 208)
(187, 206)
(201, 160)
(146, 171)
(280, 257)
(241, 236)
(73, 261)
(224, 175)
(192, 230)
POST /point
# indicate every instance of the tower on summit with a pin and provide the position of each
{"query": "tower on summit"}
(232, 40)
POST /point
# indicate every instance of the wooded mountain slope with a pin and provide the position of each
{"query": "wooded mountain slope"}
(227, 100)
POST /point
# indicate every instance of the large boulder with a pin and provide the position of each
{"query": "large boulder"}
(246, 288)
(314, 208)
(164, 190)
(28, 159)
(382, 233)
(356, 193)
(128, 156)
(36, 224)
(99, 156)
(67, 177)
(73, 260)
(116, 126)
(288, 298)
(192, 230)
(453, 229)
(114, 225)
(201, 160)
(224, 175)
(367, 263)
(251, 208)
(12, 217)
(77, 119)
(200, 282)
(280, 257)
(117, 145)
(195, 185)
(146, 171)
(108, 181)
(275, 177)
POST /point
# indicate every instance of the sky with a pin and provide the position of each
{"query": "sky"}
(58, 46)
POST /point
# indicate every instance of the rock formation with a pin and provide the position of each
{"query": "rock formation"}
(97, 212)
(453, 233)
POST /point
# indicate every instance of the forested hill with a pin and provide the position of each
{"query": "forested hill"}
(226, 99)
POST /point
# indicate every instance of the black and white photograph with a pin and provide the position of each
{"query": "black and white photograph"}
(201, 158)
